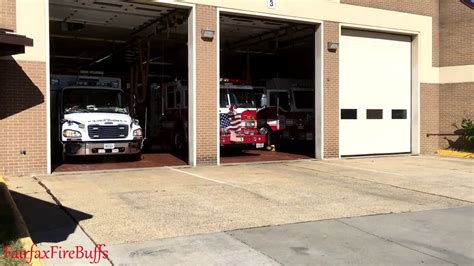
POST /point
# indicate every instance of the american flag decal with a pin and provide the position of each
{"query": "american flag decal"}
(231, 121)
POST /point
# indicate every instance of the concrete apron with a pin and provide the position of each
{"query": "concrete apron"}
(135, 206)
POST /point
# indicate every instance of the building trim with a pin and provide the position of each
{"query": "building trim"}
(456, 74)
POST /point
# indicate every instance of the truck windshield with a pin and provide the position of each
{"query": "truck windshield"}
(240, 98)
(304, 99)
(94, 100)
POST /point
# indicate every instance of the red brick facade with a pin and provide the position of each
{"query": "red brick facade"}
(331, 92)
(23, 118)
(206, 88)
(456, 103)
(456, 34)
(8, 14)
(429, 118)
(22, 95)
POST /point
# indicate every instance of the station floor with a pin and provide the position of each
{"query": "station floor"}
(169, 159)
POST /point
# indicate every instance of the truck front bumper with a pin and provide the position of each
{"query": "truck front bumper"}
(244, 140)
(102, 148)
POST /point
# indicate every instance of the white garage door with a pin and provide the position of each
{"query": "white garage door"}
(374, 93)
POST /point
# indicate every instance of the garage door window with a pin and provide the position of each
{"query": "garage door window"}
(399, 114)
(374, 114)
(348, 113)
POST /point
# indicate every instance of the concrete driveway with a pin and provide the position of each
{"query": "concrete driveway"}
(123, 207)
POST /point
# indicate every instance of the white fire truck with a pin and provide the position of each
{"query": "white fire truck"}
(286, 110)
(92, 117)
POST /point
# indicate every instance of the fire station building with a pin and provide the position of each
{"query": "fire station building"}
(364, 77)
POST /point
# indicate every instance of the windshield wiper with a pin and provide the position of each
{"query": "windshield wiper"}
(76, 110)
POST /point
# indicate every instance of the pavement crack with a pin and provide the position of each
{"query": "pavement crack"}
(258, 251)
(393, 242)
(64, 209)
(380, 183)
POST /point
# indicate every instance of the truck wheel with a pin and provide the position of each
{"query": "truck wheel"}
(270, 143)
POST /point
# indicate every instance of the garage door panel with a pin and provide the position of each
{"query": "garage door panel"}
(375, 73)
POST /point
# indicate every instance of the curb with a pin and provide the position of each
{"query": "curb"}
(457, 154)
(26, 242)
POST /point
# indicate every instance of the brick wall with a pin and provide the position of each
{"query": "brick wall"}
(429, 118)
(429, 8)
(456, 33)
(22, 118)
(206, 88)
(456, 103)
(331, 92)
(8, 14)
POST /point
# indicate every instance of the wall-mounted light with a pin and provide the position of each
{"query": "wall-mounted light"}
(207, 34)
(333, 46)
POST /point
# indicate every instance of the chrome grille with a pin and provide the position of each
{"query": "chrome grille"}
(107, 132)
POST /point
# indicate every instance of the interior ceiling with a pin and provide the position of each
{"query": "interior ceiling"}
(85, 31)
(254, 34)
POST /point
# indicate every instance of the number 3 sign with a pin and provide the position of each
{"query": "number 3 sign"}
(271, 4)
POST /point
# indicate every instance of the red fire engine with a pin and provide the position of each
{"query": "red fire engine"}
(287, 110)
(237, 114)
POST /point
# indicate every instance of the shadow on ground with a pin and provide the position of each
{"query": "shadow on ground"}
(42, 217)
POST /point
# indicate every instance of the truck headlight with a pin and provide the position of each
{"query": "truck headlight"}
(68, 133)
(138, 133)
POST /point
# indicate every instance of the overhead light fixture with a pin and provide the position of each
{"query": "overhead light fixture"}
(207, 34)
(333, 46)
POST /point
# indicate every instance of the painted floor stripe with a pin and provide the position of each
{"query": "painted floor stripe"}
(361, 168)
(205, 178)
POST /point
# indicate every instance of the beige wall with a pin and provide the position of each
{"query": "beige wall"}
(420, 7)
(31, 21)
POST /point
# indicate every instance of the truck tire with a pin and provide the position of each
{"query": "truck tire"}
(271, 141)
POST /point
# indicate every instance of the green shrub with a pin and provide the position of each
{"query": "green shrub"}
(468, 127)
